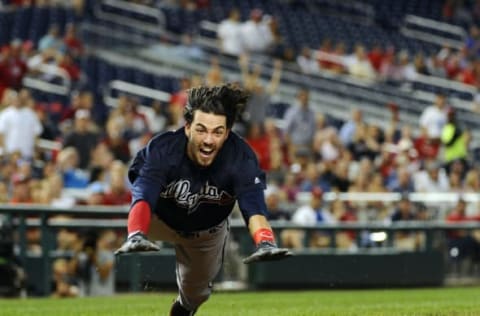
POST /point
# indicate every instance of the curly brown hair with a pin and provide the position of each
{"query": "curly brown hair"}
(227, 99)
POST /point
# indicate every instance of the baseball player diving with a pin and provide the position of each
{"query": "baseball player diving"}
(190, 180)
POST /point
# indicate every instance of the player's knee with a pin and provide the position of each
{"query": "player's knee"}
(195, 297)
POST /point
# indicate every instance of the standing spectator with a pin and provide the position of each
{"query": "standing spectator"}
(82, 138)
(434, 117)
(214, 75)
(455, 141)
(19, 127)
(256, 34)
(229, 34)
(300, 124)
(256, 108)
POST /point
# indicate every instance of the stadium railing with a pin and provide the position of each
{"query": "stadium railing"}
(101, 217)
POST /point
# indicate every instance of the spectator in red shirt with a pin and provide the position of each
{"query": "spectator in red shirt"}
(260, 143)
(118, 193)
(13, 67)
(72, 42)
(67, 63)
(425, 147)
(376, 56)
(115, 140)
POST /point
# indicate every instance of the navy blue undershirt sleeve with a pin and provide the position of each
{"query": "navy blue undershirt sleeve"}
(250, 182)
(252, 203)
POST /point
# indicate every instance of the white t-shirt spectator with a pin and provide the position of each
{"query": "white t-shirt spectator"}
(433, 119)
(256, 37)
(19, 127)
(229, 33)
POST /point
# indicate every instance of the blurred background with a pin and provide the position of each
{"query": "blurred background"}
(364, 114)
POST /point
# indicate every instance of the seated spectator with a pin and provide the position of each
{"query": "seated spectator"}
(260, 143)
(12, 66)
(117, 192)
(65, 284)
(188, 48)
(102, 270)
(273, 199)
(82, 138)
(359, 66)
(21, 190)
(348, 128)
(306, 61)
(52, 40)
(342, 213)
(375, 56)
(73, 44)
(67, 63)
(432, 178)
(402, 181)
(115, 141)
(463, 244)
(68, 164)
(311, 214)
(406, 240)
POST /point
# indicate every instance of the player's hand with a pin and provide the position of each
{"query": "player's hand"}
(267, 251)
(136, 243)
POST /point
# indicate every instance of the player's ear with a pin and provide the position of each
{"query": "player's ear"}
(187, 129)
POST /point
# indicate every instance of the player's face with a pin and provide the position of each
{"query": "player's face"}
(206, 135)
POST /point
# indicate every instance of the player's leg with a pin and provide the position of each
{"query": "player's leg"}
(198, 262)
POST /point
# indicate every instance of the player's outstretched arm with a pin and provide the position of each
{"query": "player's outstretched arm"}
(266, 248)
(138, 225)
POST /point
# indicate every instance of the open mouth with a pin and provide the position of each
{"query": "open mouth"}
(206, 152)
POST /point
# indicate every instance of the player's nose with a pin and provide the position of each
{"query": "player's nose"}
(208, 139)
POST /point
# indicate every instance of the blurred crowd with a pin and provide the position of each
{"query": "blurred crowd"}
(85, 161)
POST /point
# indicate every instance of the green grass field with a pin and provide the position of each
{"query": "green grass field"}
(439, 301)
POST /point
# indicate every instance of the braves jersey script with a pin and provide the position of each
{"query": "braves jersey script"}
(191, 198)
